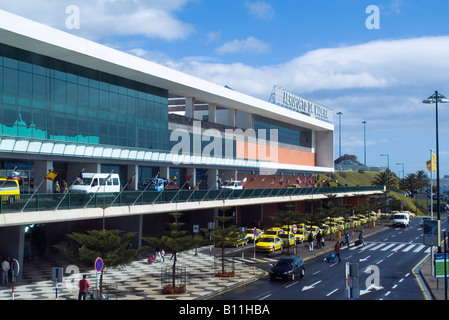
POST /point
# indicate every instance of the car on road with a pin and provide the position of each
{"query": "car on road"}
(287, 268)
(250, 234)
(401, 219)
(289, 239)
(313, 230)
(269, 243)
(275, 231)
(301, 235)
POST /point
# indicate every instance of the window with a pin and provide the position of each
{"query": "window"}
(73, 103)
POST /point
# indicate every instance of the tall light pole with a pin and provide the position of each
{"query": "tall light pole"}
(339, 133)
(364, 141)
(403, 172)
(435, 98)
(388, 160)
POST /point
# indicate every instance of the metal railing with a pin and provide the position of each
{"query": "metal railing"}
(53, 201)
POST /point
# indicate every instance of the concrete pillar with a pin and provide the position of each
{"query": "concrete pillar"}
(212, 113)
(232, 117)
(12, 244)
(41, 169)
(164, 172)
(192, 172)
(212, 178)
(190, 107)
(131, 170)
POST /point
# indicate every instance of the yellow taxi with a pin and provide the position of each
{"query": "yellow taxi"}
(313, 230)
(240, 239)
(356, 221)
(325, 229)
(301, 235)
(9, 189)
(410, 214)
(289, 239)
(251, 234)
(363, 219)
(274, 231)
(269, 243)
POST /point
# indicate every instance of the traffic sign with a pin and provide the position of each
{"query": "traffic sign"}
(294, 228)
(99, 264)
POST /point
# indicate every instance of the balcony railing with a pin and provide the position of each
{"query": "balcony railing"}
(58, 201)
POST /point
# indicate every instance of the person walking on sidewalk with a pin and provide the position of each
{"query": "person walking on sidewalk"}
(5, 269)
(361, 238)
(310, 240)
(347, 238)
(318, 240)
(337, 250)
(83, 285)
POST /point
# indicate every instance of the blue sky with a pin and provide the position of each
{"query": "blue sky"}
(319, 49)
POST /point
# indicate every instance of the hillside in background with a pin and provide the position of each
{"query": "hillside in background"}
(350, 178)
(364, 178)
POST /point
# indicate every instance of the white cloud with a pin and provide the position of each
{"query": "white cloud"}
(249, 45)
(104, 18)
(260, 10)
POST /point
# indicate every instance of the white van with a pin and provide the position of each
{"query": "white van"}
(97, 182)
(232, 185)
(401, 219)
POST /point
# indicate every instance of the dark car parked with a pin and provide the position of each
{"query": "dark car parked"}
(287, 268)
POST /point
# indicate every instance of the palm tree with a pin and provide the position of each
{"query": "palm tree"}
(386, 178)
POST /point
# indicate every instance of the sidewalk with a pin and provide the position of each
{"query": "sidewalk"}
(142, 281)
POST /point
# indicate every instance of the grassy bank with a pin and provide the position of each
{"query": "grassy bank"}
(352, 178)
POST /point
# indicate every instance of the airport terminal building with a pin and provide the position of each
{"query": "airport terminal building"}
(68, 104)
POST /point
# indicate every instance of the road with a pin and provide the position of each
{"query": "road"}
(385, 266)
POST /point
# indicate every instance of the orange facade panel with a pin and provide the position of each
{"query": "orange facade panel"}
(254, 151)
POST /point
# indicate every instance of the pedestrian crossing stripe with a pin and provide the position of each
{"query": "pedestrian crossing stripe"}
(251, 260)
(392, 246)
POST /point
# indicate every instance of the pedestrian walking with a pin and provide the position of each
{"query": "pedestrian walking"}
(163, 255)
(158, 254)
(361, 238)
(5, 269)
(347, 238)
(57, 187)
(337, 250)
(318, 240)
(310, 240)
(322, 241)
(84, 286)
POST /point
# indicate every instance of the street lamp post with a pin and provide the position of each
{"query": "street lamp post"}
(388, 160)
(364, 141)
(435, 98)
(401, 164)
(339, 133)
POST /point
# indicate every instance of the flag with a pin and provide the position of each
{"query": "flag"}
(281, 180)
(15, 175)
(132, 179)
(244, 181)
(187, 177)
(298, 181)
(51, 175)
(432, 163)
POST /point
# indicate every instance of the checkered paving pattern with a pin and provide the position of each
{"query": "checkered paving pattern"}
(138, 281)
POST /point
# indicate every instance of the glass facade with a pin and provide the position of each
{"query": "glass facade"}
(287, 133)
(45, 98)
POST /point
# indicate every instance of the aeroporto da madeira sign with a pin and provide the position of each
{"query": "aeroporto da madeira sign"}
(289, 100)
